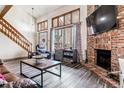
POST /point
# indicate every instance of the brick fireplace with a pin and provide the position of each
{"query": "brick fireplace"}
(112, 40)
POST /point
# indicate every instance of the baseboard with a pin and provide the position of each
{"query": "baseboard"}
(17, 58)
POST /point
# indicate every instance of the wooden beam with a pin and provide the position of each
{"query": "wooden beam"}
(5, 10)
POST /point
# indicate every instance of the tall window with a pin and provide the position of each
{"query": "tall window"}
(43, 25)
(58, 38)
(43, 33)
(68, 38)
(63, 38)
(66, 19)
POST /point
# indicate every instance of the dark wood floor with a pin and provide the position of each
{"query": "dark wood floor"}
(73, 76)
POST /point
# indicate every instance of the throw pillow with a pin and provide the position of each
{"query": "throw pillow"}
(2, 80)
(22, 83)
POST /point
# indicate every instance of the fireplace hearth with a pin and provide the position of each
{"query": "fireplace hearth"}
(104, 59)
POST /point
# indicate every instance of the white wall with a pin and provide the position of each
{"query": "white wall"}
(9, 49)
(23, 23)
(62, 10)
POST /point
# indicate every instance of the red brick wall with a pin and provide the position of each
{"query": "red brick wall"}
(112, 40)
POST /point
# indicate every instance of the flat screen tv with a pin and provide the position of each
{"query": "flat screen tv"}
(102, 19)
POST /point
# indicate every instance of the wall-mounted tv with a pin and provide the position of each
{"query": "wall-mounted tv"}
(102, 19)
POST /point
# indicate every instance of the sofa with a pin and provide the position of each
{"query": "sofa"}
(13, 81)
(7, 74)
(37, 53)
(41, 51)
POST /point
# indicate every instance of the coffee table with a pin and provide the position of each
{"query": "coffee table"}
(43, 65)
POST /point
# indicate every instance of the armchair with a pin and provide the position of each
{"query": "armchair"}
(40, 51)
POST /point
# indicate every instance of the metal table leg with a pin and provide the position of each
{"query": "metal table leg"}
(20, 67)
(60, 69)
(42, 78)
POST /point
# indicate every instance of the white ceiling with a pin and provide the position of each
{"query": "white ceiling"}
(40, 10)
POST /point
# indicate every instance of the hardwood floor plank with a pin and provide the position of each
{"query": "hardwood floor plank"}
(73, 76)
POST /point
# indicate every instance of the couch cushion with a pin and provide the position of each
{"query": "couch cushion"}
(22, 83)
(10, 77)
(2, 82)
(3, 69)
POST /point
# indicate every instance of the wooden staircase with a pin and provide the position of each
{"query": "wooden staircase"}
(14, 35)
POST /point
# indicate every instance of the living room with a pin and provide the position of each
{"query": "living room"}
(30, 26)
(64, 46)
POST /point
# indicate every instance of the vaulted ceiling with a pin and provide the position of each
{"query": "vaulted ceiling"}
(38, 10)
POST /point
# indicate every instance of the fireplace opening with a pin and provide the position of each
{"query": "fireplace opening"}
(104, 59)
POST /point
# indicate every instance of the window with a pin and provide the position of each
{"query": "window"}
(39, 27)
(68, 38)
(43, 39)
(46, 25)
(75, 16)
(55, 22)
(58, 43)
(63, 38)
(43, 25)
(67, 18)
(61, 20)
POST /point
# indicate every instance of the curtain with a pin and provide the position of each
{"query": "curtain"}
(74, 37)
(78, 39)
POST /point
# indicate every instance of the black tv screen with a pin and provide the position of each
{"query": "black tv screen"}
(102, 19)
